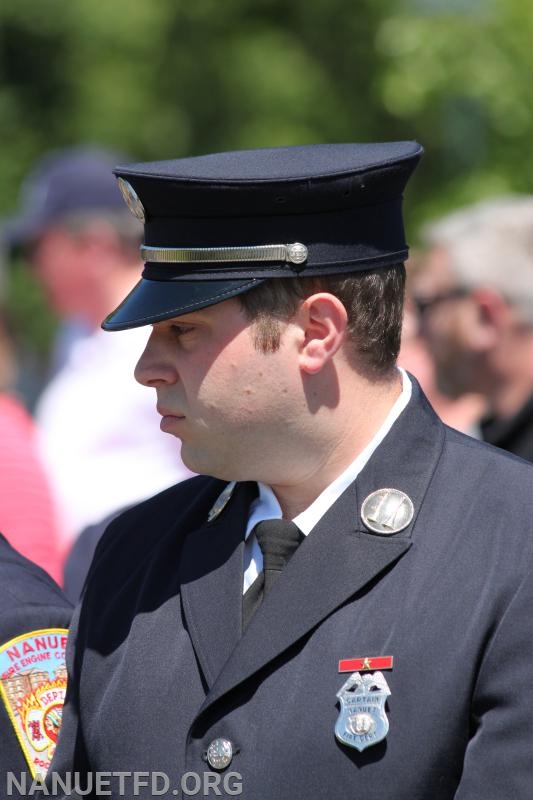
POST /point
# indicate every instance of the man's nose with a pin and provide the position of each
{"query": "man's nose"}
(154, 367)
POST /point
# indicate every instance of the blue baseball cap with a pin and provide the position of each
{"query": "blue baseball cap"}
(63, 182)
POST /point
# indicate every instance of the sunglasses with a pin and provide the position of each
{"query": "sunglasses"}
(425, 304)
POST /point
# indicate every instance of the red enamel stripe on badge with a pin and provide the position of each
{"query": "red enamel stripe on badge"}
(361, 664)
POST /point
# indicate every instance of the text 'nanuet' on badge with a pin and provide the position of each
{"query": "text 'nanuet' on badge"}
(33, 685)
(365, 663)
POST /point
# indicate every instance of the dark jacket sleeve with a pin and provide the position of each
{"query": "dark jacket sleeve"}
(498, 761)
(29, 601)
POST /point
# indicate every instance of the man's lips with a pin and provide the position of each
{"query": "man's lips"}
(167, 412)
(170, 420)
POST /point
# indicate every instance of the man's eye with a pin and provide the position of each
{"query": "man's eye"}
(180, 330)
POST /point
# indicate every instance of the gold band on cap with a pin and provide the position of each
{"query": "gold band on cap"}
(292, 253)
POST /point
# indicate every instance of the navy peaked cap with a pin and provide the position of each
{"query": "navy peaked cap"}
(218, 225)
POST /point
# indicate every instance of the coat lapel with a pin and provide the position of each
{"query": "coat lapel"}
(340, 556)
(211, 575)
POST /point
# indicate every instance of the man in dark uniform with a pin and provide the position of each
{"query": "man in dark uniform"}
(343, 609)
(34, 616)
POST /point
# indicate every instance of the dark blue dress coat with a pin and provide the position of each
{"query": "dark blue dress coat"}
(160, 668)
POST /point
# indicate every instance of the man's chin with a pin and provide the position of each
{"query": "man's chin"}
(200, 462)
(203, 463)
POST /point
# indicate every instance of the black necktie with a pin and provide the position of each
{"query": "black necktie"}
(278, 539)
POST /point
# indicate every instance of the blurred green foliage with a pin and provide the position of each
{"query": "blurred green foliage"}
(170, 78)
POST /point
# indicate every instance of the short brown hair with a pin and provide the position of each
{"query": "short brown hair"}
(373, 300)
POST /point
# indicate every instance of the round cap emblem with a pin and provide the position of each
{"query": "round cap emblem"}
(297, 253)
(387, 511)
(131, 198)
(220, 753)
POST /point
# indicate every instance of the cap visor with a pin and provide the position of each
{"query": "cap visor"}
(154, 301)
(21, 231)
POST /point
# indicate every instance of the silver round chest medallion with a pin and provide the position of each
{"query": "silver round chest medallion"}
(387, 511)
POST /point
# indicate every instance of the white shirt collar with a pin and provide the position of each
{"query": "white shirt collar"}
(266, 505)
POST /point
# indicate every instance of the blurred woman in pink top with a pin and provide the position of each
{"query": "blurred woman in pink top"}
(27, 514)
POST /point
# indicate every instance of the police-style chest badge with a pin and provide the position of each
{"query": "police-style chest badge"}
(33, 682)
(362, 721)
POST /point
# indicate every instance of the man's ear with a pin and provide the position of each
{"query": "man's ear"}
(324, 321)
(494, 316)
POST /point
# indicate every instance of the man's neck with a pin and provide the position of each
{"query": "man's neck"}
(361, 422)
(507, 399)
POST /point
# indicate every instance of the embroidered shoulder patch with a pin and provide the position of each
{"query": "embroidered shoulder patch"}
(33, 682)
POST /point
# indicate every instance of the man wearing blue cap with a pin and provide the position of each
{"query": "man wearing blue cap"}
(98, 430)
(340, 609)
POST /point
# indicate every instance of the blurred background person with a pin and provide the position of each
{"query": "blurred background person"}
(27, 513)
(475, 302)
(462, 412)
(99, 432)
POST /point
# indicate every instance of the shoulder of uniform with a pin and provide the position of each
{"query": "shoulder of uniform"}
(190, 497)
(25, 587)
(30, 620)
(175, 511)
(496, 485)
(502, 462)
